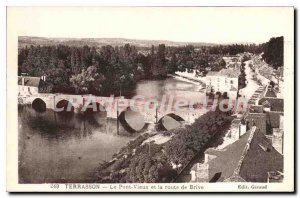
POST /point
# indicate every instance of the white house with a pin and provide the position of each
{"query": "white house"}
(28, 85)
(226, 80)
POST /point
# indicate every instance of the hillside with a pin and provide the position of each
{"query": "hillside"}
(98, 42)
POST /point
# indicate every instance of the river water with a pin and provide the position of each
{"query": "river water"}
(55, 148)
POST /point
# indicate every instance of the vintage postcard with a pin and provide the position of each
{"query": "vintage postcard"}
(150, 99)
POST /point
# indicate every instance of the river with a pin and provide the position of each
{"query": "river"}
(55, 148)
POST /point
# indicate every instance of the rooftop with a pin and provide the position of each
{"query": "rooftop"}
(270, 93)
(234, 164)
(227, 159)
(230, 73)
(258, 120)
(276, 103)
(260, 159)
(256, 109)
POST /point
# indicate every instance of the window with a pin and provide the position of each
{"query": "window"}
(231, 81)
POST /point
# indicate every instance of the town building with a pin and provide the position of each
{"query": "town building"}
(225, 81)
(252, 158)
(232, 61)
(256, 151)
(28, 85)
(238, 128)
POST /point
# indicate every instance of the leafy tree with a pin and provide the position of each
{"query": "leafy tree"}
(159, 62)
(273, 52)
(87, 81)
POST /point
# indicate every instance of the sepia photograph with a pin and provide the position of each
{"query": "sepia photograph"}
(145, 99)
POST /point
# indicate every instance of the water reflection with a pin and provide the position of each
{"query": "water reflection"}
(155, 89)
(57, 149)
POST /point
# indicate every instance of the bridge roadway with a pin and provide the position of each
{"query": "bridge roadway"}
(115, 105)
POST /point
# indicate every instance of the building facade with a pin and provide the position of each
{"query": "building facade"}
(28, 86)
(225, 81)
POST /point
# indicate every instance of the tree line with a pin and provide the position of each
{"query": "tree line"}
(107, 69)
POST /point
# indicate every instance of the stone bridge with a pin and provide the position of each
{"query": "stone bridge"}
(113, 106)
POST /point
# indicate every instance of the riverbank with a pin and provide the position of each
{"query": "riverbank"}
(191, 77)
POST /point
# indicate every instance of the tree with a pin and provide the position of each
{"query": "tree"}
(87, 81)
(159, 63)
(273, 52)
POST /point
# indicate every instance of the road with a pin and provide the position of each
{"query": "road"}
(251, 85)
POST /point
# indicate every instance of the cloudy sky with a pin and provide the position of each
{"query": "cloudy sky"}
(210, 25)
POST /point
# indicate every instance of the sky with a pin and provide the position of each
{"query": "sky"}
(186, 24)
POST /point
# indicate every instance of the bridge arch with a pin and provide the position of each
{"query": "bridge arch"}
(127, 126)
(39, 105)
(174, 116)
(173, 121)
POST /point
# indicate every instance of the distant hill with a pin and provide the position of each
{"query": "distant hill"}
(98, 42)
